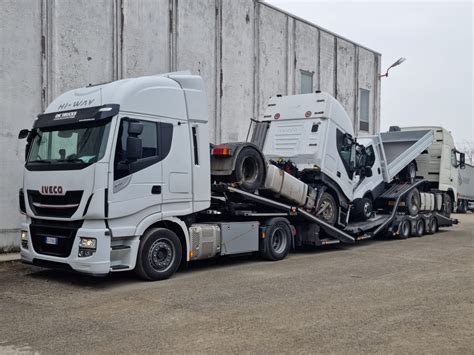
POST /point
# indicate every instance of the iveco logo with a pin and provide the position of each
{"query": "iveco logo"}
(52, 190)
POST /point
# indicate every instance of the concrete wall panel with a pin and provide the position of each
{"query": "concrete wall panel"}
(272, 57)
(307, 53)
(196, 48)
(20, 102)
(327, 62)
(146, 39)
(346, 61)
(82, 44)
(366, 80)
(238, 68)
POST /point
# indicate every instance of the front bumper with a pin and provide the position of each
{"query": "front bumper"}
(96, 264)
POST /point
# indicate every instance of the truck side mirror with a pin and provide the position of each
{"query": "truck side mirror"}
(462, 161)
(135, 128)
(23, 134)
(134, 149)
(368, 171)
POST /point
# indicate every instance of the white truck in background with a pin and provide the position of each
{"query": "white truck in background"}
(466, 189)
(121, 176)
(444, 168)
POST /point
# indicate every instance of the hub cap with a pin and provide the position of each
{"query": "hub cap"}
(326, 211)
(161, 255)
(279, 240)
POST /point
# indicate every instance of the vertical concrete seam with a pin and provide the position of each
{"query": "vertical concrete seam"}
(173, 35)
(319, 61)
(256, 67)
(118, 30)
(218, 71)
(356, 91)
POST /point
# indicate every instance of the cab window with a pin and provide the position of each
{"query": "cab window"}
(345, 150)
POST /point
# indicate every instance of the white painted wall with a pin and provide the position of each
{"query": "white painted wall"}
(246, 51)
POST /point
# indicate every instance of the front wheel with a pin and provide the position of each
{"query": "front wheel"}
(327, 209)
(159, 255)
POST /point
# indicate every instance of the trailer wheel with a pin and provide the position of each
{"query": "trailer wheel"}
(159, 255)
(412, 202)
(419, 228)
(277, 242)
(362, 209)
(433, 225)
(404, 229)
(249, 170)
(327, 209)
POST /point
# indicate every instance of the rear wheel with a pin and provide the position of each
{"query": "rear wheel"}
(249, 170)
(462, 206)
(159, 254)
(327, 209)
(448, 205)
(277, 242)
(404, 229)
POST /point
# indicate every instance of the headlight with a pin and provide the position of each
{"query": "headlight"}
(87, 247)
(88, 243)
(24, 239)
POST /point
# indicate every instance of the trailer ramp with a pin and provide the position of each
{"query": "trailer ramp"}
(292, 211)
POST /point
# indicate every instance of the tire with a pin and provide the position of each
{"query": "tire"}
(419, 228)
(404, 229)
(447, 205)
(432, 227)
(412, 202)
(462, 206)
(327, 209)
(362, 208)
(277, 242)
(159, 255)
(249, 170)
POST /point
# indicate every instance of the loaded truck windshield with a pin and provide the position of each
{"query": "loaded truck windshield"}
(69, 147)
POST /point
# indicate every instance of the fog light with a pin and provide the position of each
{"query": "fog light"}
(24, 239)
(88, 243)
(87, 247)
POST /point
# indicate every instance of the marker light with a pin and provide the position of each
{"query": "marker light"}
(222, 150)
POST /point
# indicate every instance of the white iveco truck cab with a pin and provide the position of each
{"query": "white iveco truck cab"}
(121, 176)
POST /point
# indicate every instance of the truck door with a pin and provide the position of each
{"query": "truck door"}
(345, 166)
(135, 186)
(366, 183)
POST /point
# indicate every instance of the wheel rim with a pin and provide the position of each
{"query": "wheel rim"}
(367, 209)
(249, 169)
(326, 211)
(420, 228)
(161, 255)
(279, 240)
(405, 229)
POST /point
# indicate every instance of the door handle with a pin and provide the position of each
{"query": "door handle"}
(338, 174)
(156, 190)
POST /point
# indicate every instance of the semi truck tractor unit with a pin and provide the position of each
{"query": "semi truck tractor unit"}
(122, 176)
(444, 168)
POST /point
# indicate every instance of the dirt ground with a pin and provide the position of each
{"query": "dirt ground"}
(380, 296)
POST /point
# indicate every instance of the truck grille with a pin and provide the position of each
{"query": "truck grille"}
(54, 205)
(64, 232)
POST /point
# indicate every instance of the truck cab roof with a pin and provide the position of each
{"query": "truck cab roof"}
(174, 95)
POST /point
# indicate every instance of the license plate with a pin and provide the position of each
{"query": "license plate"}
(51, 240)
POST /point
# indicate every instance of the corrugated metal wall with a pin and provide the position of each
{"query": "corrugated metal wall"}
(246, 51)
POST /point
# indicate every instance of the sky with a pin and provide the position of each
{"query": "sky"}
(434, 86)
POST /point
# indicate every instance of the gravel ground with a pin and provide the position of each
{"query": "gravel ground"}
(397, 296)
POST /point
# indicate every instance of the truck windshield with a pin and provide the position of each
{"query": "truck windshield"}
(68, 147)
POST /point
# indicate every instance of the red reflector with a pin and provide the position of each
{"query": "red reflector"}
(222, 150)
(277, 116)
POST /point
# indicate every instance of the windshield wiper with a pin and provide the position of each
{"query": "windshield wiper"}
(42, 161)
(71, 160)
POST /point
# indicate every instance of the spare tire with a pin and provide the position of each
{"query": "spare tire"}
(249, 170)
(412, 202)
